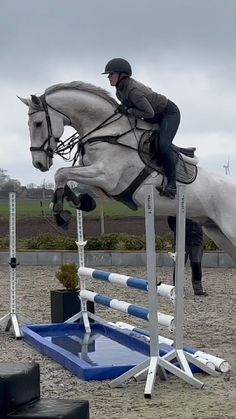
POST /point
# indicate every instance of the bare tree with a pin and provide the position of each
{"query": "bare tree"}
(11, 185)
(3, 176)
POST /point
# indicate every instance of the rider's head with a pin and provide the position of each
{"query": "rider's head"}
(117, 68)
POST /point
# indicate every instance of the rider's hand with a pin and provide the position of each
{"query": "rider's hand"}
(122, 109)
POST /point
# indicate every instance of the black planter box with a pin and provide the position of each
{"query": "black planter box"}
(65, 304)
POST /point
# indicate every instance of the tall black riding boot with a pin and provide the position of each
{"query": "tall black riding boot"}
(170, 189)
(197, 279)
(169, 169)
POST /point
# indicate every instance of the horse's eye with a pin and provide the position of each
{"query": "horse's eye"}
(38, 124)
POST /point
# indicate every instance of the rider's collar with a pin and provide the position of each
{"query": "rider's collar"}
(119, 83)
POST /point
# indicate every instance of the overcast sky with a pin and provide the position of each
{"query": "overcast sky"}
(184, 49)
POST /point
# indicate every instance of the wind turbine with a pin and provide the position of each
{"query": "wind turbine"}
(226, 167)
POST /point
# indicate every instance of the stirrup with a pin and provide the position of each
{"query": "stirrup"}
(163, 192)
(169, 194)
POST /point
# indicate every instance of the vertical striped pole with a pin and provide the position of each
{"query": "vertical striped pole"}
(80, 244)
(80, 236)
(11, 319)
(152, 289)
(12, 250)
(179, 267)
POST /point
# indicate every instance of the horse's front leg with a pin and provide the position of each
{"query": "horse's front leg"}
(93, 175)
(62, 217)
(57, 201)
(83, 201)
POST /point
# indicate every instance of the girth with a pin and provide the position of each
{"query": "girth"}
(127, 195)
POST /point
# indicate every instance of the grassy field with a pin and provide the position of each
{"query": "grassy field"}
(35, 208)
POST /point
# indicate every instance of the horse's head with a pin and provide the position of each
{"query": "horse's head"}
(46, 126)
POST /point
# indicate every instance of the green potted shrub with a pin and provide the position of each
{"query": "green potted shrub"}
(67, 276)
(65, 303)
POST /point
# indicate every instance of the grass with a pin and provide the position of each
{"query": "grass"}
(36, 208)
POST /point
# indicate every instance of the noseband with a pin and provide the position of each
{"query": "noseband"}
(48, 149)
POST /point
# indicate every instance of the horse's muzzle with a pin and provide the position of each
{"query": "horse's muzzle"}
(42, 167)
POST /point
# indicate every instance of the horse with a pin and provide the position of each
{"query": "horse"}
(108, 160)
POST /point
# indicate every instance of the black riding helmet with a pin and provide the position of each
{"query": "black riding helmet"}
(118, 65)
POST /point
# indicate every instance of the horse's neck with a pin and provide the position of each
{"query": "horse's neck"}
(85, 110)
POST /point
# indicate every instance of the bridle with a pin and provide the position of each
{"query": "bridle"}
(48, 149)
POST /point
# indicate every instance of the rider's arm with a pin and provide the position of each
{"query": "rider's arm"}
(141, 106)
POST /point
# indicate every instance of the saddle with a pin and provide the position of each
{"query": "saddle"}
(185, 160)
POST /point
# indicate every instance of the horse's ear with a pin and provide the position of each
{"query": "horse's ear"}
(24, 100)
(35, 99)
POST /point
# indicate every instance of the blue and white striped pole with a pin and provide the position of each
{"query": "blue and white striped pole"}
(141, 284)
(128, 308)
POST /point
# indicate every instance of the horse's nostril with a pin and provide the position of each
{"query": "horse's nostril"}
(40, 166)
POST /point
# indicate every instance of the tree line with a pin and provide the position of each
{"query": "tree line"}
(31, 190)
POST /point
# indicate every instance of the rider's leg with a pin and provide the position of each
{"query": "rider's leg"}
(195, 261)
(168, 128)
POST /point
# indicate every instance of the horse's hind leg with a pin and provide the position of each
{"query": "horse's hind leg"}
(219, 238)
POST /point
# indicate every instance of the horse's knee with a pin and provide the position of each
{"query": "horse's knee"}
(59, 177)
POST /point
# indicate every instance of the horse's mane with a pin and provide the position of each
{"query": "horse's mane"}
(80, 85)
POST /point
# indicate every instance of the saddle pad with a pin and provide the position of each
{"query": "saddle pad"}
(185, 171)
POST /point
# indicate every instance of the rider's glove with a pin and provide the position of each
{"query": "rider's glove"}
(122, 109)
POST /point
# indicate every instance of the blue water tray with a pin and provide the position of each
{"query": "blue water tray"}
(106, 353)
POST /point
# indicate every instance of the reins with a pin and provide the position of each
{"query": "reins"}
(65, 147)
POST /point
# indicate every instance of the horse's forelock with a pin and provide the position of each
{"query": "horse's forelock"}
(34, 107)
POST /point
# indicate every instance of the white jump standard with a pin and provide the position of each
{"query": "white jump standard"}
(12, 319)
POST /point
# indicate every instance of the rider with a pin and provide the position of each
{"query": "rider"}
(140, 101)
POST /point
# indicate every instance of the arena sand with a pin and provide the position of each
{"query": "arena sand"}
(209, 326)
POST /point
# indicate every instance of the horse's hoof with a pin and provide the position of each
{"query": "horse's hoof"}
(71, 197)
(57, 208)
(87, 203)
(62, 219)
(83, 202)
